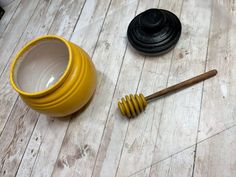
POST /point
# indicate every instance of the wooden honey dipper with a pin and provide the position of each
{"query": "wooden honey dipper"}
(133, 105)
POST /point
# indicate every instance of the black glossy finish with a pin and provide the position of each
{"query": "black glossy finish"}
(154, 31)
(1, 12)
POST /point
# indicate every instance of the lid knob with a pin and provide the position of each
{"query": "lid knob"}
(152, 21)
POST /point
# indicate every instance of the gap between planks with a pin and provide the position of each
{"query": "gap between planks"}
(96, 43)
(198, 143)
(70, 35)
(199, 119)
(17, 44)
(8, 12)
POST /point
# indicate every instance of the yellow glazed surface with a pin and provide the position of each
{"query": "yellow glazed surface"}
(71, 92)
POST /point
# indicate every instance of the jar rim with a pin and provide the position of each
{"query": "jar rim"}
(57, 83)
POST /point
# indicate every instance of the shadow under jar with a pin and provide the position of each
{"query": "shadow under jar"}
(53, 76)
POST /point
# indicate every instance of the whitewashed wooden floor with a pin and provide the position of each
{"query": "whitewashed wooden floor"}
(188, 134)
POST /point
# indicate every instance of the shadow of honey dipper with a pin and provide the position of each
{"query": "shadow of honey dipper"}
(133, 105)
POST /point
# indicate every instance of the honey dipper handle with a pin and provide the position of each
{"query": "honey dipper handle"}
(182, 85)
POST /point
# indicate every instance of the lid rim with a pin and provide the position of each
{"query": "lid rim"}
(161, 43)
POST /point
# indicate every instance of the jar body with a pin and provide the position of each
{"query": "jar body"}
(73, 93)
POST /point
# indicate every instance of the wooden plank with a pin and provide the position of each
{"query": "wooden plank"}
(31, 151)
(42, 153)
(111, 146)
(42, 19)
(43, 157)
(216, 156)
(12, 161)
(114, 135)
(180, 116)
(140, 132)
(218, 107)
(38, 21)
(9, 42)
(15, 138)
(67, 17)
(33, 157)
(80, 146)
(9, 13)
(79, 149)
(40, 24)
(142, 173)
(89, 26)
(178, 165)
(14, 30)
(139, 143)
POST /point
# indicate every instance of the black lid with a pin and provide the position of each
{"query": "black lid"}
(154, 31)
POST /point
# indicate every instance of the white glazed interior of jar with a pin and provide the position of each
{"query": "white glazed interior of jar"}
(41, 66)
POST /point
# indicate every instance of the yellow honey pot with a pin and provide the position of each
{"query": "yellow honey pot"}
(53, 76)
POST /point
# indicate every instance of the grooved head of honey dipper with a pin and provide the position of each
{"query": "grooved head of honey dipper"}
(132, 105)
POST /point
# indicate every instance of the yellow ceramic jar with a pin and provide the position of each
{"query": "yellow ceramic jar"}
(53, 76)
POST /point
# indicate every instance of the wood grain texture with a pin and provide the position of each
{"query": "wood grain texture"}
(178, 165)
(9, 40)
(67, 16)
(112, 143)
(37, 21)
(180, 114)
(41, 138)
(60, 127)
(14, 30)
(215, 157)
(182, 135)
(77, 157)
(220, 113)
(41, 19)
(139, 143)
(35, 142)
(38, 159)
(14, 139)
(39, 24)
(9, 13)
